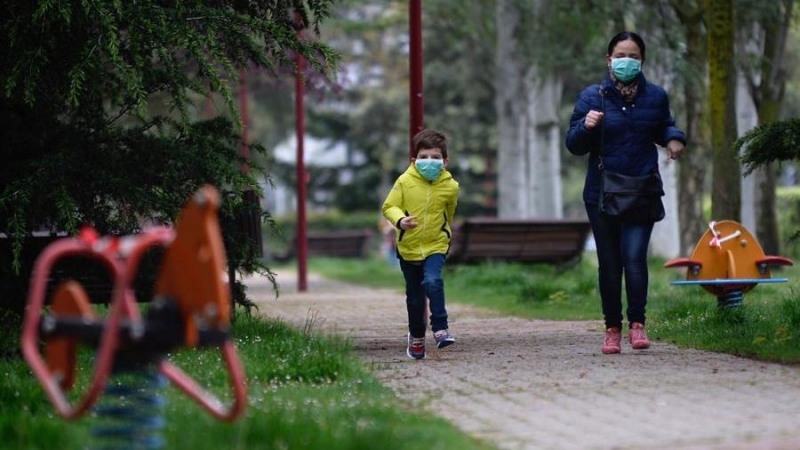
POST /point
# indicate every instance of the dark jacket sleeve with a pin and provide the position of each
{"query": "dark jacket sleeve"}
(671, 132)
(581, 140)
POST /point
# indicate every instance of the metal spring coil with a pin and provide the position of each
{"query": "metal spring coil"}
(730, 299)
(129, 412)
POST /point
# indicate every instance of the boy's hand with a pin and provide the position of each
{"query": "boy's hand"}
(408, 222)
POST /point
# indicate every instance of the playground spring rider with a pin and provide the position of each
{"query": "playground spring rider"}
(191, 307)
(727, 262)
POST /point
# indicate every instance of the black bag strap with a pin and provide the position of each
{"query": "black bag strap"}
(600, 165)
(602, 127)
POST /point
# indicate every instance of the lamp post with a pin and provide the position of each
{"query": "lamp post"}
(415, 71)
(302, 176)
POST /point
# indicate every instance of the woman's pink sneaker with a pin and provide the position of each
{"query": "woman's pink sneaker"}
(612, 342)
(638, 337)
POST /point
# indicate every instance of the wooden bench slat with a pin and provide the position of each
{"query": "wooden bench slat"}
(337, 244)
(518, 240)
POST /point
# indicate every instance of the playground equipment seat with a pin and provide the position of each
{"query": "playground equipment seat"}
(727, 262)
(190, 308)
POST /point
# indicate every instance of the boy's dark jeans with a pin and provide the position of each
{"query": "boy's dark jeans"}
(621, 248)
(424, 279)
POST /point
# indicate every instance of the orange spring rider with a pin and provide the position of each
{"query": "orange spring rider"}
(727, 262)
(191, 308)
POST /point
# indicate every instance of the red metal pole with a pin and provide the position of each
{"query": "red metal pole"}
(415, 100)
(302, 179)
(415, 70)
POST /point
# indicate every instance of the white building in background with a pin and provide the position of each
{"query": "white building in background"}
(317, 152)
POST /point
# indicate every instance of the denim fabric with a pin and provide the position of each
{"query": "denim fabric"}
(424, 279)
(621, 249)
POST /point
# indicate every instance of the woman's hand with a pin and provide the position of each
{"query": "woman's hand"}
(592, 119)
(674, 148)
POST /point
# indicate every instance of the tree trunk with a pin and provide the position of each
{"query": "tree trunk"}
(746, 120)
(511, 116)
(726, 184)
(694, 163)
(544, 151)
(769, 101)
(529, 138)
(765, 202)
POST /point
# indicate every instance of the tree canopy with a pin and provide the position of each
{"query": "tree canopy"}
(98, 102)
(101, 105)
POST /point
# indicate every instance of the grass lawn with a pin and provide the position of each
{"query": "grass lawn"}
(766, 327)
(305, 391)
(309, 391)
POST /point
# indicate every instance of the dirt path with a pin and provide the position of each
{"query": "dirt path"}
(529, 384)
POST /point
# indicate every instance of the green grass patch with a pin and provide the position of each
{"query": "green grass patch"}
(375, 272)
(766, 327)
(305, 391)
(540, 291)
(534, 291)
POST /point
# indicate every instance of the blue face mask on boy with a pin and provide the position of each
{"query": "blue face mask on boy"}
(625, 69)
(429, 168)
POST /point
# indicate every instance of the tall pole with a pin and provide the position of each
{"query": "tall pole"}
(415, 82)
(245, 168)
(302, 176)
(245, 148)
(415, 71)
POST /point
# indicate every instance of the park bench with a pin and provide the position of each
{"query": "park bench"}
(556, 241)
(15, 284)
(336, 244)
(92, 274)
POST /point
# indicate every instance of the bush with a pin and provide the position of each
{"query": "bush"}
(788, 211)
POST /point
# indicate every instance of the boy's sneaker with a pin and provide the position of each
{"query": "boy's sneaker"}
(612, 342)
(443, 338)
(416, 347)
(638, 337)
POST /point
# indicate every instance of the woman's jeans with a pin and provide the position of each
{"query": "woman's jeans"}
(424, 279)
(621, 248)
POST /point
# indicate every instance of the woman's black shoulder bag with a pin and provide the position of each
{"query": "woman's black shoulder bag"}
(625, 198)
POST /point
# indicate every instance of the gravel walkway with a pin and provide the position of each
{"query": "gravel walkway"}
(531, 384)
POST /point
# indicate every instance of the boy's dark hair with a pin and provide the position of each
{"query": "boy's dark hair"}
(624, 36)
(429, 138)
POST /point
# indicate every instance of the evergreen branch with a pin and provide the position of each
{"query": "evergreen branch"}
(776, 141)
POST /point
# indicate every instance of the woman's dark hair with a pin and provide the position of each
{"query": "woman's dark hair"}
(624, 36)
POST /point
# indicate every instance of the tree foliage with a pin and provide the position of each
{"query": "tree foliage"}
(771, 142)
(98, 104)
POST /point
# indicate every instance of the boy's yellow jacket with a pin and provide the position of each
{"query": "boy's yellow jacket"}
(434, 204)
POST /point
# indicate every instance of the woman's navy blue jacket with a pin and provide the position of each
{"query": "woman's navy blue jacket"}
(630, 131)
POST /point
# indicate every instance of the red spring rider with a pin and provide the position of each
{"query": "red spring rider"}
(191, 308)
